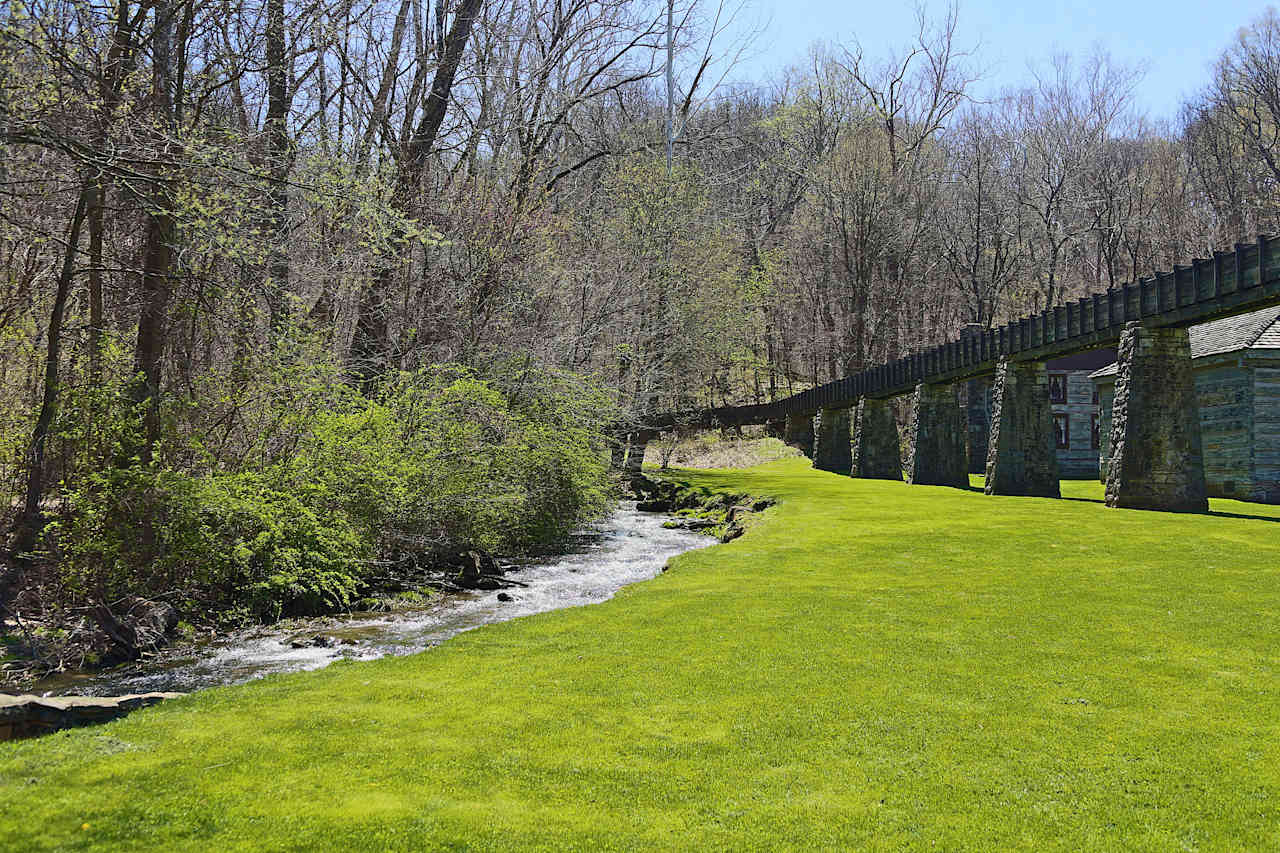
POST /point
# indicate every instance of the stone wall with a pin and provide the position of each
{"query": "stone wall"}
(978, 413)
(1156, 459)
(1239, 408)
(635, 453)
(877, 453)
(28, 716)
(798, 433)
(939, 438)
(1021, 457)
(1078, 459)
(832, 451)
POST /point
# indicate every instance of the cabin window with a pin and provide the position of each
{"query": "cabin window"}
(1062, 432)
(1057, 387)
(1095, 394)
(1095, 434)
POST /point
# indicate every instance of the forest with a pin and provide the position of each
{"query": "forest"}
(292, 292)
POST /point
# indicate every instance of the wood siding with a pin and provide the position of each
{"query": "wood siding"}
(1225, 394)
(1080, 459)
(1265, 485)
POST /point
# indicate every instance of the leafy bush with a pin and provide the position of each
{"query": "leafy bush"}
(440, 459)
(216, 541)
(444, 458)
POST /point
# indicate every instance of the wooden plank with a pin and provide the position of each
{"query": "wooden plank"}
(1205, 290)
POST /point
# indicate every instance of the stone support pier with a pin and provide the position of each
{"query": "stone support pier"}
(617, 451)
(798, 432)
(1156, 459)
(1021, 457)
(831, 451)
(939, 438)
(876, 454)
(635, 454)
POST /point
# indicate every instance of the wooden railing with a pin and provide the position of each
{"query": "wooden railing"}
(1229, 283)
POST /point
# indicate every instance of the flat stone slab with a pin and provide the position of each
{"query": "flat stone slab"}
(28, 716)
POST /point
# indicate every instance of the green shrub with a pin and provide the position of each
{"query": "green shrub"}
(440, 459)
(216, 541)
(444, 458)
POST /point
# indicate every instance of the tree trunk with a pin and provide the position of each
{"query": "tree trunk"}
(97, 320)
(149, 349)
(279, 164)
(370, 352)
(158, 251)
(29, 523)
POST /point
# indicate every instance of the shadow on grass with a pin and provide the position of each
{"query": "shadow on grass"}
(1216, 513)
(1220, 514)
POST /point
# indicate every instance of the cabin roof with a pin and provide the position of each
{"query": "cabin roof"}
(1255, 330)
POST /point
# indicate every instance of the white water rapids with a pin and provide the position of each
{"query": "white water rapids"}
(626, 547)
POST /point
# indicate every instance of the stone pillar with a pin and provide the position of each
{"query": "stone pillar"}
(978, 411)
(938, 439)
(876, 454)
(831, 450)
(798, 432)
(635, 456)
(1156, 460)
(1021, 456)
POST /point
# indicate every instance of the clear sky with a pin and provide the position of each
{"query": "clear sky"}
(1177, 40)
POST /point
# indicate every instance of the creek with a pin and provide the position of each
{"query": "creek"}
(626, 547)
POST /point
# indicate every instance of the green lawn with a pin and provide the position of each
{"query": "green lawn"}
(873, 665)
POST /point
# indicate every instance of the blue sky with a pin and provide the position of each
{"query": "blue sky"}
(1177, 40)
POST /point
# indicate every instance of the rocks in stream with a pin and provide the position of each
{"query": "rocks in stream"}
(28, 716)
(502, 596)
(697, 508)
(694, 524)
(318, 641)
(472, 568)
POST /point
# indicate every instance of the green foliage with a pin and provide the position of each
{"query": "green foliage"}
(444, 457)
(223, 541)
(441, 458)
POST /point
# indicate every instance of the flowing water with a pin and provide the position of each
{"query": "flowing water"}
(626, 547)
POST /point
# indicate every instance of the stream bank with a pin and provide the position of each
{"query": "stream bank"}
(628, 546)
(633, 544)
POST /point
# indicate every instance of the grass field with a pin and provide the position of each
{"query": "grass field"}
(872, 666)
